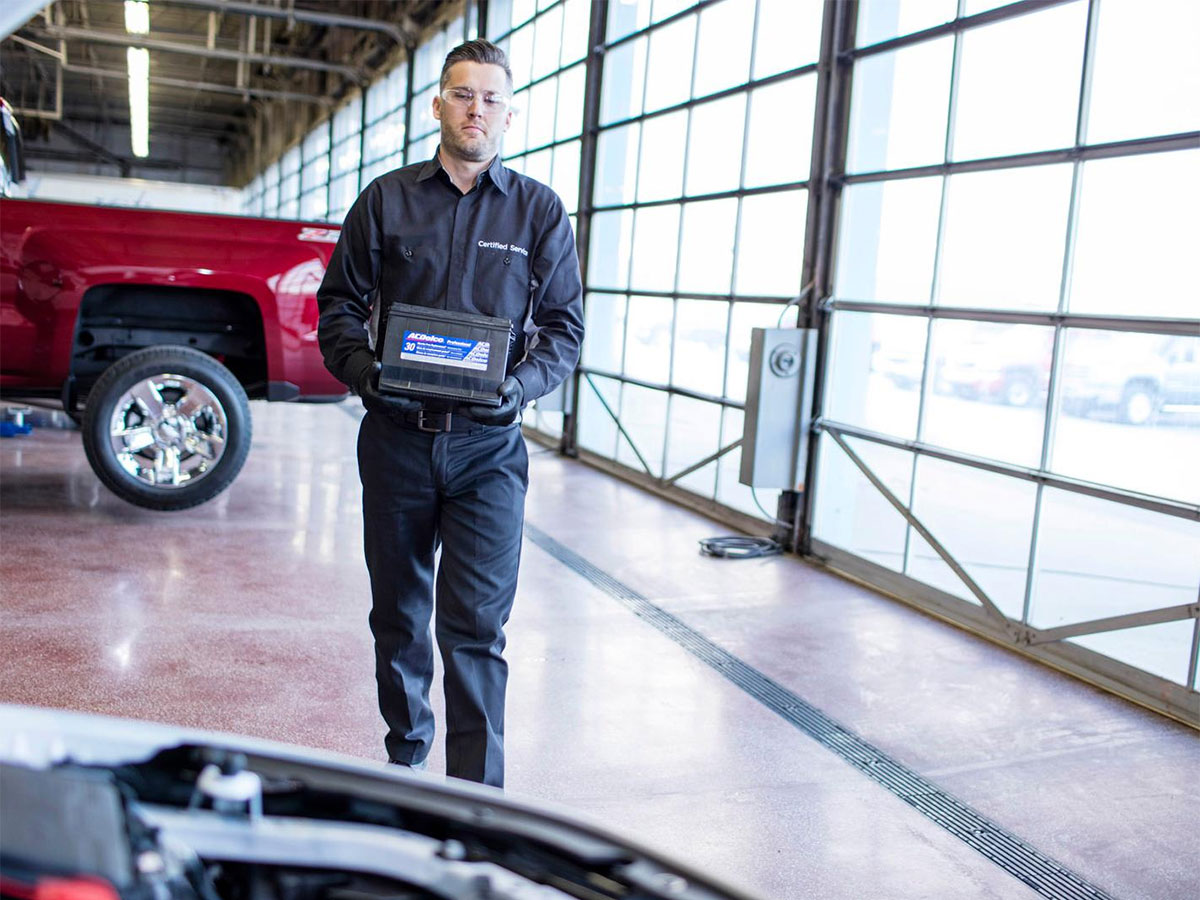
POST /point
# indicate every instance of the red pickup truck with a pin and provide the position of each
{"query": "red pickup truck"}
(154, 328)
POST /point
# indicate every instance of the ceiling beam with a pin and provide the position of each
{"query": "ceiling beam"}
(400, 34)
(121, 39)
(206, 86)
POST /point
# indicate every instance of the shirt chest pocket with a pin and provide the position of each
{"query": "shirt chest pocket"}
(503, 284)
(411, 268)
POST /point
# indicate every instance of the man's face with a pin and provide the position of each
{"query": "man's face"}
(470, 132)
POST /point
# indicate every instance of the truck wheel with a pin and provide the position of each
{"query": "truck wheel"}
(1138, 404)
(1019, 391)
(166, 428)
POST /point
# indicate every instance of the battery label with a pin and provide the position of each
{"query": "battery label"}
(442, 350)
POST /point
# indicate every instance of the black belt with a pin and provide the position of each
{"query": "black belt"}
(438, 421)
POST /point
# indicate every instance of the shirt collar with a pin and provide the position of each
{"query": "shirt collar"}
(498, 174)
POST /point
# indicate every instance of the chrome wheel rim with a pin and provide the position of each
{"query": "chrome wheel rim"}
(168, 431)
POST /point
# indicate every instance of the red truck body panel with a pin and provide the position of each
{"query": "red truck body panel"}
(51, 254)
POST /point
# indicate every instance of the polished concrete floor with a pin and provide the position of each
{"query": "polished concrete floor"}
(248, 615)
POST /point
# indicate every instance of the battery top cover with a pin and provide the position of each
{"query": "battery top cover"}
(437, 354)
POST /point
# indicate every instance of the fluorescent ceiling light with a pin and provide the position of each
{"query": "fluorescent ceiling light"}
(137, 21)
(137, 16)
(139, 100)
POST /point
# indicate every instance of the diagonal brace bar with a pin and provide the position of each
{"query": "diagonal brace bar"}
(704, 462)
(988, 606)
(1116, 623)
(620, 427)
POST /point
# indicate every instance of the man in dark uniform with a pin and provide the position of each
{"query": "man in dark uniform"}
(458, 232)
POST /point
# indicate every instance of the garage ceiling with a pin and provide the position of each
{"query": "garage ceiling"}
(232, 84)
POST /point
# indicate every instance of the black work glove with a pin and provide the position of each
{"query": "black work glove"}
(378, 402)
(512, 395)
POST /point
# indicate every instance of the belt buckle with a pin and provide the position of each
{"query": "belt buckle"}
(440, 421)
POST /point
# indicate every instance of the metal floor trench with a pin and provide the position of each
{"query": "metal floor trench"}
(716, 709)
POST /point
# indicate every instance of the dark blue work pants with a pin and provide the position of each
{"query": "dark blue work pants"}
(464, 490)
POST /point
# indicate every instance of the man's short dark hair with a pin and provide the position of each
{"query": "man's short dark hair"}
(477, 51)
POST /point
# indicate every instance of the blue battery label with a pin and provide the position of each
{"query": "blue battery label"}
(443, 350)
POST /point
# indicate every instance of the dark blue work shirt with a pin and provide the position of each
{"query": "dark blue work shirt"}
(503, 249)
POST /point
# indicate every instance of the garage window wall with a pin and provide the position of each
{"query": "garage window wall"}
(1014, 349)
(697, 232)
(546, 44)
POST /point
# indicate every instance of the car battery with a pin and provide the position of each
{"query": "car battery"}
(437, 354)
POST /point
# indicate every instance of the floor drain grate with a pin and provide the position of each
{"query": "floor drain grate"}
(1047, 877)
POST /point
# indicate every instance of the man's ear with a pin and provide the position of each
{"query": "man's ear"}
(508, 119)
(437, 108)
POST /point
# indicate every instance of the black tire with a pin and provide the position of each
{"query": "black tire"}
(1019, 390)
(166, 428)
(1139, 403)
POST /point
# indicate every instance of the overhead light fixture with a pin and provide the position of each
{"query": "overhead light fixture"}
(137, 16)
(137, 21)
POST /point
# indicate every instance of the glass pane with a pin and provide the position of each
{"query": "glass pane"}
(547, 42)
(1146, 72)
(518, 129)
(604, 325)
(661, 172)
(1008, 105)
(624, 79)
(655, 245)
(664, 9)
(850, 512)
(715, 146)
(730, 491)
(723, 51)
(538, 166)
(648, 342)
(1005, 236)
(1098, 559)
(385, 137)
(616, 165)
(597, 430)
(575, 31)
(542, 112)
(879, 20)
(565, 179)
(499, 18)
(780, 139)
(1131, 412)
(1135, 246)
(669, 70)
(423, 122)
(346, 156)
(343, 192)
(789, 35)
(570, 104)
(899, 107)
(626, 17)
(644, 416)
(875, 366)
(313, 205)
(693, 431)
(608, 255)
(989, 389)
(887, 239)
(985, 521)
(523, 10)
(291, 161)
(771, 244)
(520, 55)
(347, 120)
(700, 346)
(745, 317)
(706, 257)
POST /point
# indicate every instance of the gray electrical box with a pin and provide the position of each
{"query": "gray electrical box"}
(778, 407)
